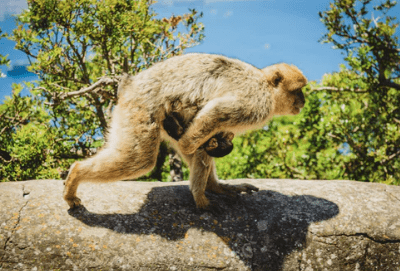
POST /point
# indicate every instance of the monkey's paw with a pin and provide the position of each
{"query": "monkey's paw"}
(248, 188)
(73, 202)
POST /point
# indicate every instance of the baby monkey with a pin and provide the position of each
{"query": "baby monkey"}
(219, 145)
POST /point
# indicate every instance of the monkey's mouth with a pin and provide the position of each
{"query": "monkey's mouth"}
(297, 108)
(299, 104)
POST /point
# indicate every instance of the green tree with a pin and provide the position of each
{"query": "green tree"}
(24, 142)
(27, 139)
(79, 49)
(350, 127)
(368, 92)
(3, 59)
(371, 46)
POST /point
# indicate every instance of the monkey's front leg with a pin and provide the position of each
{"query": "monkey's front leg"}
(220, 114)
(195, 137)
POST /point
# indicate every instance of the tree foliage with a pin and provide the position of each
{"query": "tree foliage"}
(370, 89)
(3, 59)
(371, 45)
(350, 127)
(79, 49)
(28, 143)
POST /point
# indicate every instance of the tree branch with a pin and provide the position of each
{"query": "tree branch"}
(391, 84)
(103, 81)
(390, 158)
(79, 57)
(7, 161)
(357, 90)
(12, 120)
(99, 111)
(356, 149)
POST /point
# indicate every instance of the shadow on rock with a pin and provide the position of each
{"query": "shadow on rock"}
(262, 229)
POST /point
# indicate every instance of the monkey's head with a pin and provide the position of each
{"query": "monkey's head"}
(287, 82)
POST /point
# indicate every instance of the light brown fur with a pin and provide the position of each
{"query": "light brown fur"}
(211, 94)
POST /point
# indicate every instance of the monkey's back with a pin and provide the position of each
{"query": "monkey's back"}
(195, 76)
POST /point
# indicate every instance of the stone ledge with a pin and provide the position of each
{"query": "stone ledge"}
(287, 225)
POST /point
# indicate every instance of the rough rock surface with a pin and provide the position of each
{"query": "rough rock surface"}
(287, 225)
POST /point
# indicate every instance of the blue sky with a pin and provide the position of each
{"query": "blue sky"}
(260, 32)
(264, 32)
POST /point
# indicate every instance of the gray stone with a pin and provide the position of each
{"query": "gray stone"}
(287, 225)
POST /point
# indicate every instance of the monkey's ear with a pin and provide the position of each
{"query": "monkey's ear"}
(275, 78)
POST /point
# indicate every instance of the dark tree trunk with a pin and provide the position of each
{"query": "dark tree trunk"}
(175, 166)
(157, 171)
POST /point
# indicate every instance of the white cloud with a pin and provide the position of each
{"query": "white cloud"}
(2, 75)
(11, 7)
(228, 13)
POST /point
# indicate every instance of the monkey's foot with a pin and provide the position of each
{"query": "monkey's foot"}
(73, 202)
(234, 190)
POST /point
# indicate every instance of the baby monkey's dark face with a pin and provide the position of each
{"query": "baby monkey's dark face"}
(218, 145)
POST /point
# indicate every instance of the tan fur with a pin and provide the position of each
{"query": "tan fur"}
(211, 94)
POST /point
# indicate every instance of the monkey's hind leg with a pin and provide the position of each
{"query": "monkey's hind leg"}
(107, 166)
(129, 154)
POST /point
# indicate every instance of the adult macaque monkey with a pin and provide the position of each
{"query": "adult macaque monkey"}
(209, 94)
